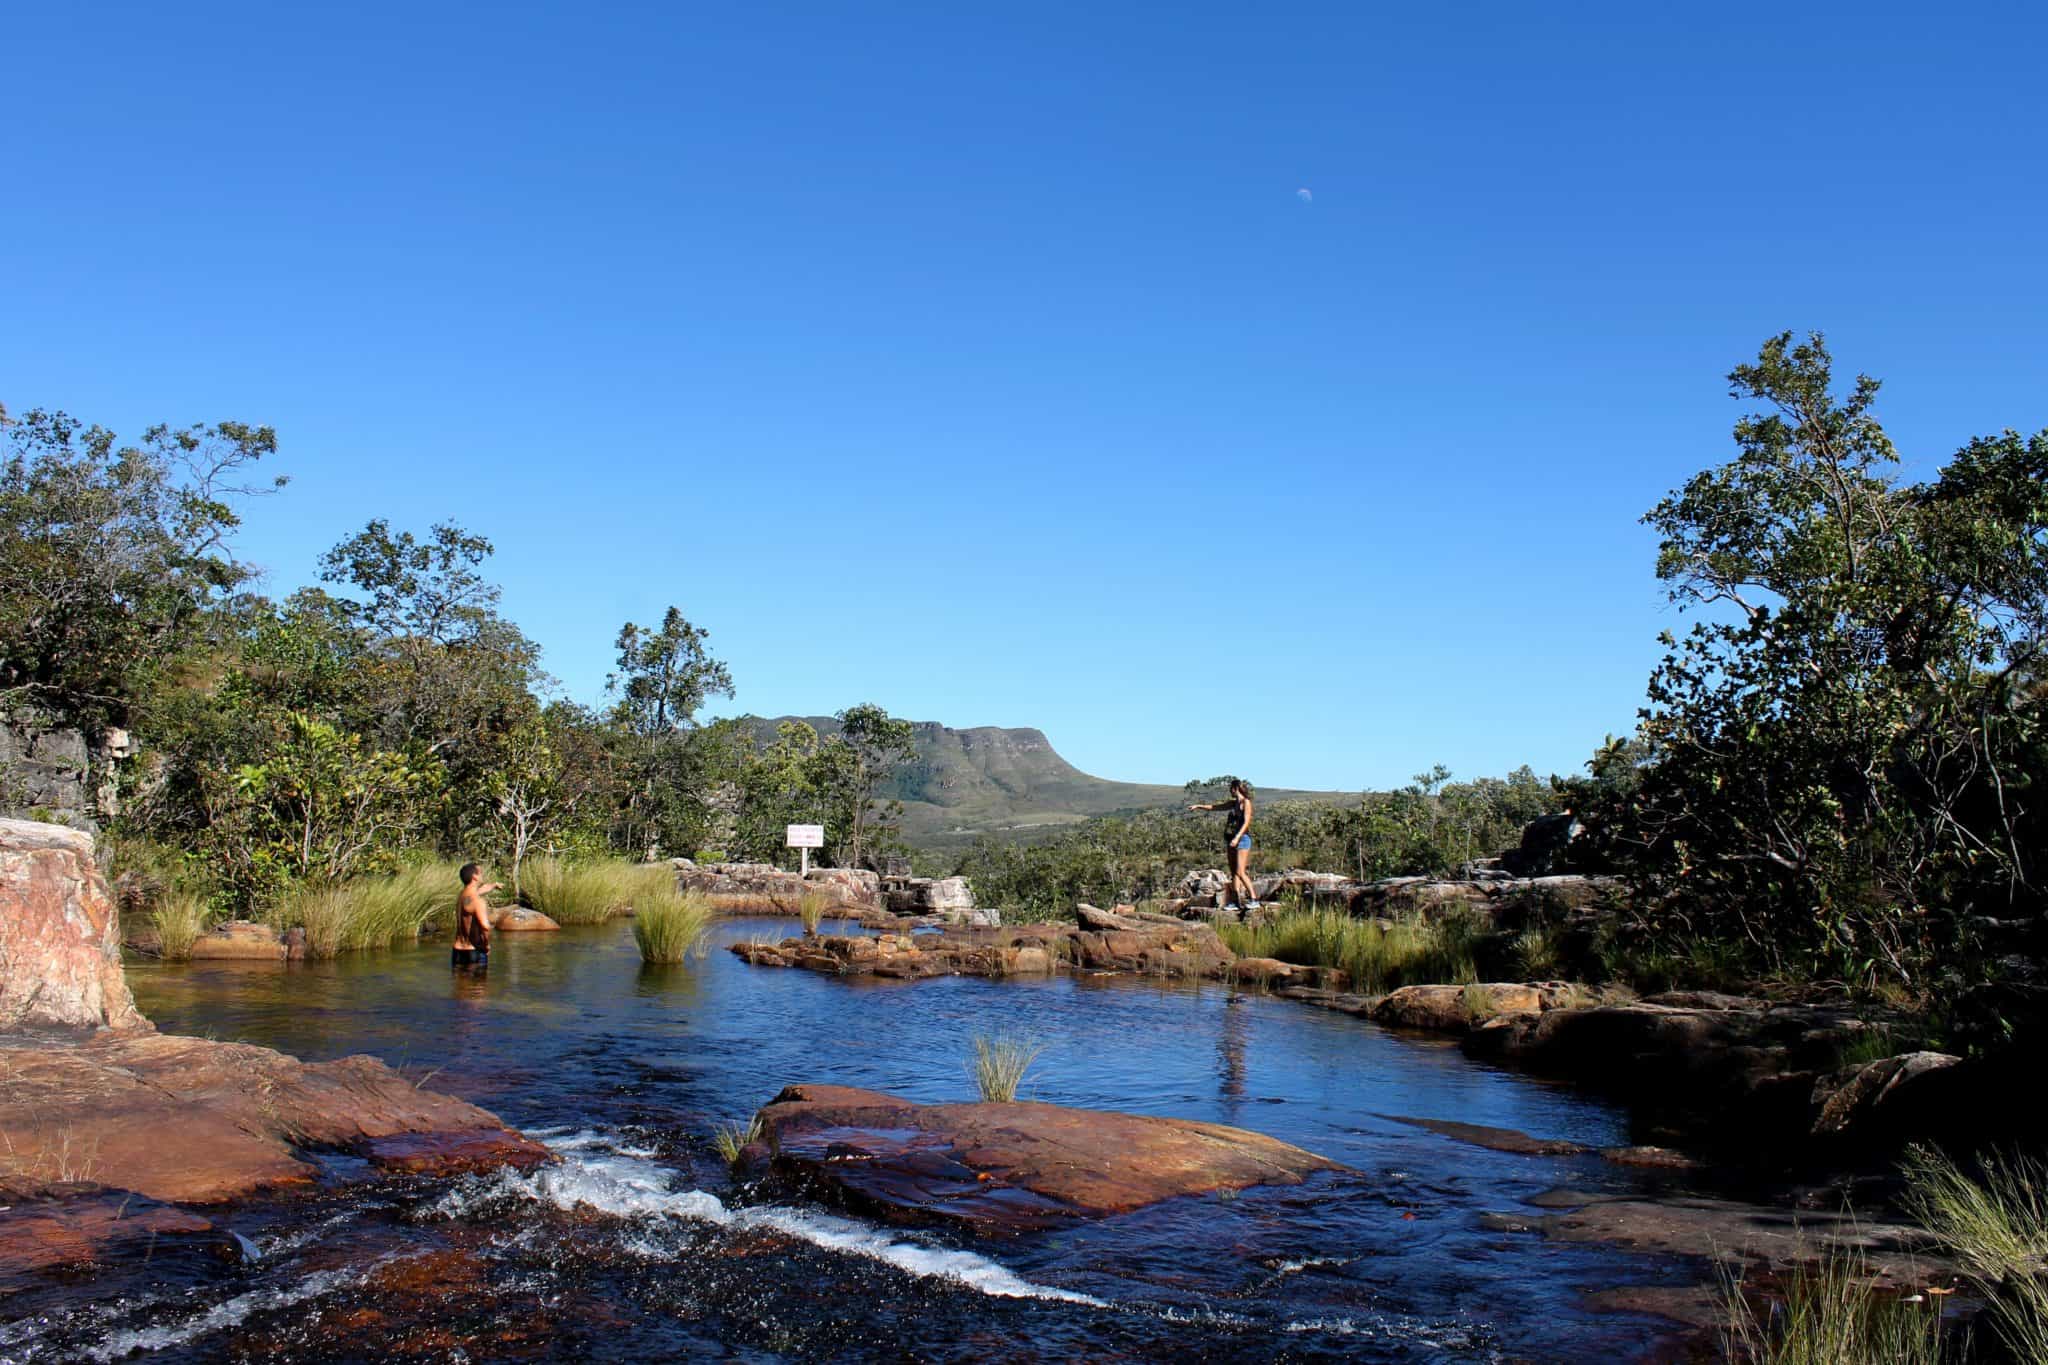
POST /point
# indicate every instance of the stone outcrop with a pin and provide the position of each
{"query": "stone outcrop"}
(766, 888)
(190, 1120)
(60, 939)
(1511, 902)
(1457, 1009)
(240, 940)
(946, 899)
(1173, 949)
(1002, 1166)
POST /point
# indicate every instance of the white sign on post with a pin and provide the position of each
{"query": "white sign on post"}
(806, 837)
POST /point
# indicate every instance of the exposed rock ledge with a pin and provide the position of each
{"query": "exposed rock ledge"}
(1004, 1166)
(187, 1120)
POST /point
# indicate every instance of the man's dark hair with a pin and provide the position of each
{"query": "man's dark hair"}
(469, 871)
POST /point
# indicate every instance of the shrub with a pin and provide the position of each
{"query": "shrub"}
(669, 925)
(999, 1065)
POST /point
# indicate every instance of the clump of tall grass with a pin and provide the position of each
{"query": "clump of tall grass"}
(376, 911)
(1996, 1224)
(180, 918)
(591, 893)
(732, 1138)
(669, 925)
(999, 1065)
(811, 910)
(1831, 1315)
(1378, 956)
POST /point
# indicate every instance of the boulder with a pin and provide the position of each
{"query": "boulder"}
(1106, 920)
(518, 919)
(240, 940)
(1263, 970)
(1005, 1166)
(1456, 1009)
(60, 940)
(1876, 1096)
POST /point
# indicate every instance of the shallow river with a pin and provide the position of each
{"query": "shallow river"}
(637, 1246)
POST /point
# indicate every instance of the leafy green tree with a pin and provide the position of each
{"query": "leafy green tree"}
(325, 804)
(1844, 751)
(112, 556)
(664, 676)
(851, 769)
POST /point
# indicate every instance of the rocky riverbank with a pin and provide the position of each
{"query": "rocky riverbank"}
(106, 1124)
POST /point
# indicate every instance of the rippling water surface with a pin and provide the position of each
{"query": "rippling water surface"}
(636, 1246)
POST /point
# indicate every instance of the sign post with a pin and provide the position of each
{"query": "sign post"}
(806, 837)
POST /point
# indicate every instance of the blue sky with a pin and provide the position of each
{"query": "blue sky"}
(982, 361)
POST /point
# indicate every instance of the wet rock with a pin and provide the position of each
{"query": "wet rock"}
(60, 940)
(1650, 1158)
(240, 940)
(517, 919)
(1001, 1166)
(77, 1222)
(191, 1120)
(1496, 1139)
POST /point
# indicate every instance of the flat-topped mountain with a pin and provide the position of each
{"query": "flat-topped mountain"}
(995, 780)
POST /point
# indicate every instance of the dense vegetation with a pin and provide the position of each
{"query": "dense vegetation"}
(388, 716)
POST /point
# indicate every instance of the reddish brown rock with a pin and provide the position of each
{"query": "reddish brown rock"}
(1008, 1165)
(517, 919)
(60, 940)
(75, 1223)
(1267, 970)
(189, 1120)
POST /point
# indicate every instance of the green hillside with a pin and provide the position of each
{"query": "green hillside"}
(1006, 783)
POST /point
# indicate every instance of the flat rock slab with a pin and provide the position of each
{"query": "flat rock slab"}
(78, 1223)
(193, 1121)
(1008, 1166)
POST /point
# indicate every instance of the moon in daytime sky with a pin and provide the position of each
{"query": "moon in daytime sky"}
(1304, 196)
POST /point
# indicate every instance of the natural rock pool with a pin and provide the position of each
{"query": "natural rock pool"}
(638, 1246)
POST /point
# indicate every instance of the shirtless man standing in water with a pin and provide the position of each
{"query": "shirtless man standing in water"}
(473, 920)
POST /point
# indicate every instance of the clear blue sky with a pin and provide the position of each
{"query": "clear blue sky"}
(983, 361)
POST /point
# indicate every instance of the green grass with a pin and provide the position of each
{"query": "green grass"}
(591, 893)
(669, 925)
(180, 918)
(731, 1138)
(1405, 953)
(378, 911)
(1996, 1224)
(1831, 1315)
(999, 1066)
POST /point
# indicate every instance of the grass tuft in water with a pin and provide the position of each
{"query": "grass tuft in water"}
(1831, 1315)
(731, 1138)
(370, 912)
(180, 918)
(1378, 956)
(1996, 1224)
(591, 893)
(999, 1065)
(669, 925)
(811, 910)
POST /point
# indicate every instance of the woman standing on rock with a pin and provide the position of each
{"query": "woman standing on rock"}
(1237, 843)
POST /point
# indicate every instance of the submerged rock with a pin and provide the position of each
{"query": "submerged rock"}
(240, 940)
(1007, 1166)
